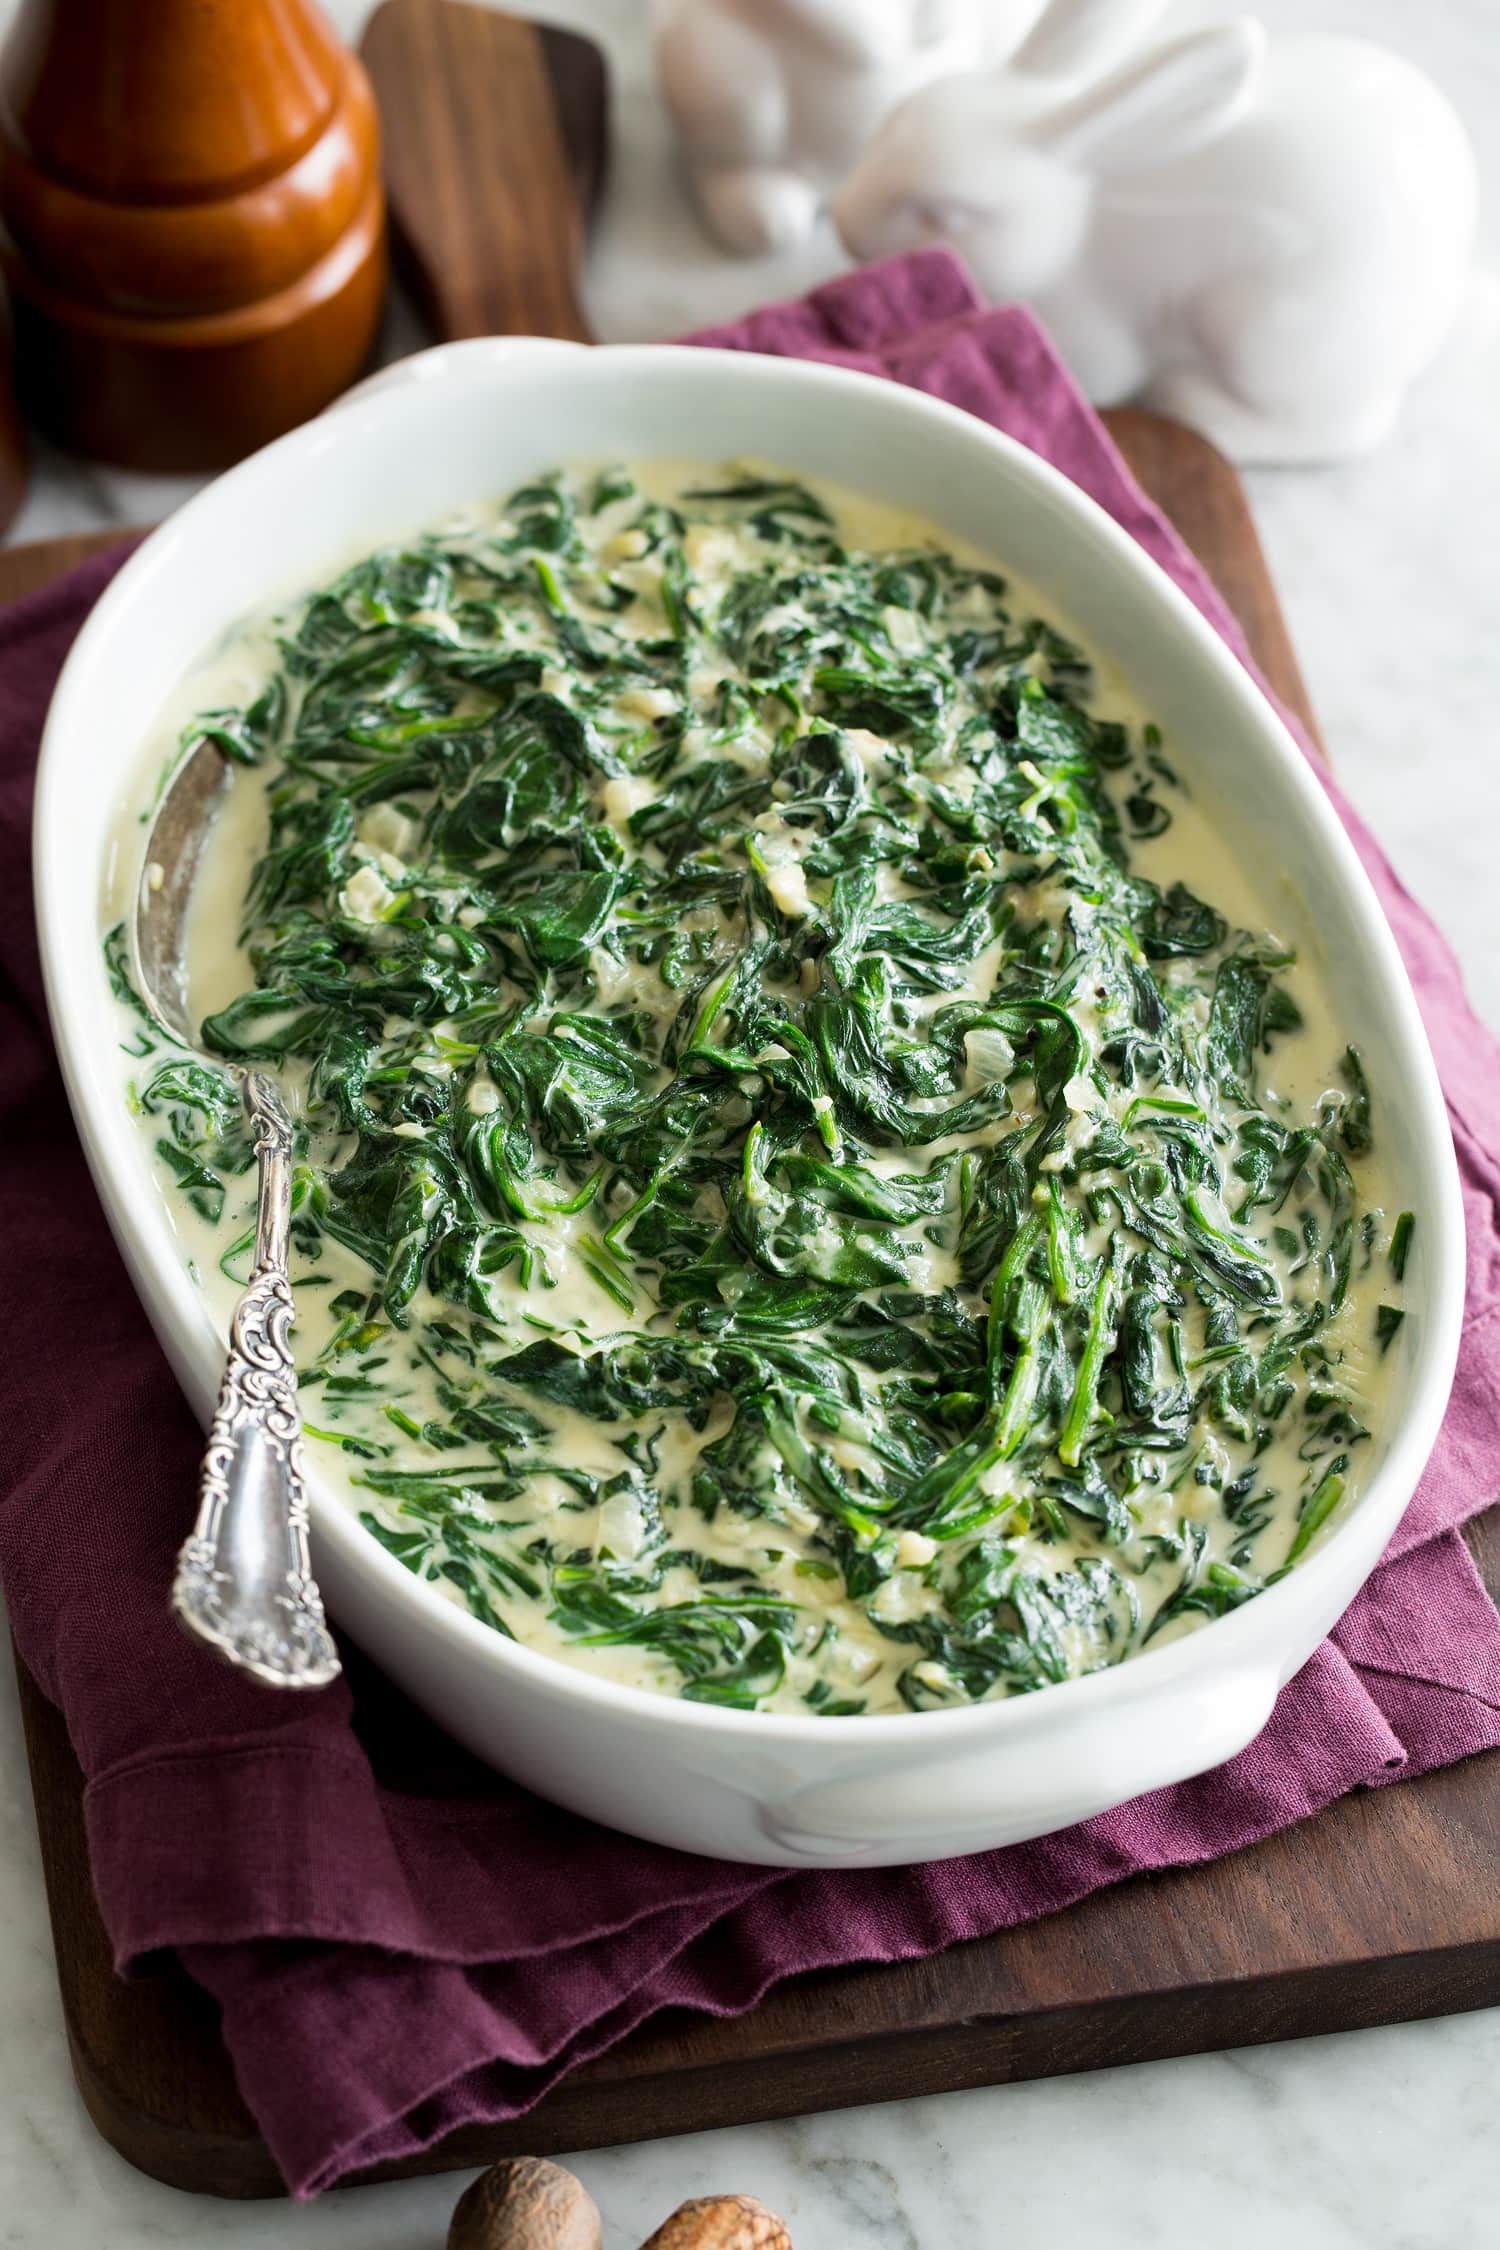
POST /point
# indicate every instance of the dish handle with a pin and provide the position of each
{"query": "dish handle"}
(977, 1799)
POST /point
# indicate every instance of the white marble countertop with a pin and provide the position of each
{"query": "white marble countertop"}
(1390, 574)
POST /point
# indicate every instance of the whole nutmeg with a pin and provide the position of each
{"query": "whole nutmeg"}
(721, 2222)
(526, 2204)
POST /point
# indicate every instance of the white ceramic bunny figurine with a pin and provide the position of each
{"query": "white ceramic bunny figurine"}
(1268, 242)
(773, 100)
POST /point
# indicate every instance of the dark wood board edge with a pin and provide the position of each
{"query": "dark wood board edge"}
(579, 77)
(1193, 483)
(29, 569)
(158, 2085)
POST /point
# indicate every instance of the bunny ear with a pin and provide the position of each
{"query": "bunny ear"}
(1077, 38)
(1173, 100)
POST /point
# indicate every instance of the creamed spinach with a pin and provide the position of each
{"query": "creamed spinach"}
(790, 1212)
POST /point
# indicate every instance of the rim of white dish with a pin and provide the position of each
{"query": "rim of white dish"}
(482, 363)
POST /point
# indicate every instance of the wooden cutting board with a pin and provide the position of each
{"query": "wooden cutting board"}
(1384, 1908)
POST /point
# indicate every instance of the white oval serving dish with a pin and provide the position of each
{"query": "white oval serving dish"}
(469, 421)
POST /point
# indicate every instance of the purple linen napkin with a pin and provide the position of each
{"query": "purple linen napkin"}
(396, 1954)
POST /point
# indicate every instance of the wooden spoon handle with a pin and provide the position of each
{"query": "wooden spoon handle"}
(482, 196)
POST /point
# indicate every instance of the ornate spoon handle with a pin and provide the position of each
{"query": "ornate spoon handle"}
(244, 1579)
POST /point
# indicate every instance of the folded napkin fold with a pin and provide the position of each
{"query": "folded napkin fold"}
(397, 1953)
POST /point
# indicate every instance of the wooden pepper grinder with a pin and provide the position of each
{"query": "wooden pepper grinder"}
(191, 222)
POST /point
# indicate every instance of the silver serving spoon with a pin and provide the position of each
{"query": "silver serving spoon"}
(244, 1579)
